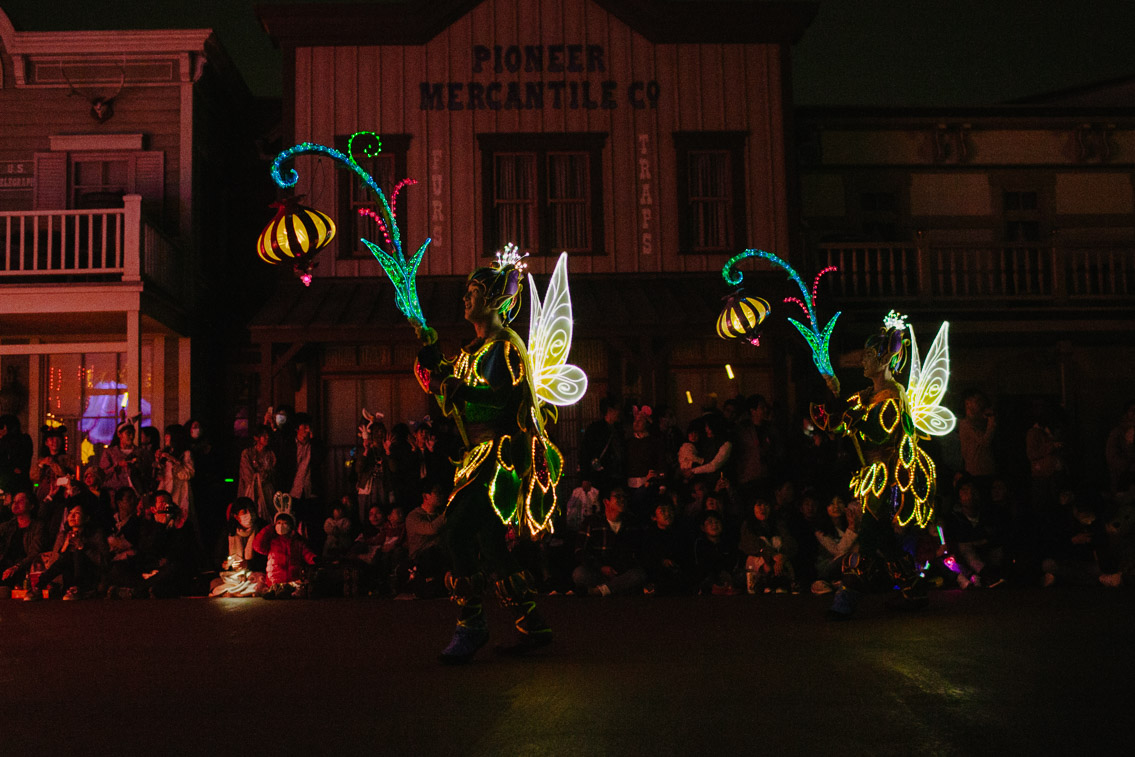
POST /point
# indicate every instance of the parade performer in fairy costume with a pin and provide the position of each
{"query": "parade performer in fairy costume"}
(496, 389)
(896, 478)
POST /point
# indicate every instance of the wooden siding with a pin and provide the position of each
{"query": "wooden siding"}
(703, 87)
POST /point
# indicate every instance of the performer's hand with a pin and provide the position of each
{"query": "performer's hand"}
(426, 335)
(833, 384)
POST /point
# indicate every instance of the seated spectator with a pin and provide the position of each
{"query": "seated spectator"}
(371, 574)
(802, 523)
(767, 549)
(694, 507)
(1120, 568)
(242, 567)
(610, 550)
(837, 537)
(78, 558)
(123, 541)
(665, 554)
(428, 560)
(715, 559)
(66, 493)
(976, 539)
(339, 531)
(394, 547)
(288, 557)
(583, 504)
(1073, 559)
(21, 541)
(167, 552)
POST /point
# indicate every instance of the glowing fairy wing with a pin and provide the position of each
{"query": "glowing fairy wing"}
(549, 341)
(928, 385)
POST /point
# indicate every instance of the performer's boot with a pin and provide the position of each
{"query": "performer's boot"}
(516, 594)
(857, 570)
(472, 630)
(913, 593)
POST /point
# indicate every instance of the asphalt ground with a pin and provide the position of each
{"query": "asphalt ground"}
(1002, 671)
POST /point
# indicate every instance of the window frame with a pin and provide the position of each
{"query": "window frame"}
(349, 246)
(732, 143)
(542, 146)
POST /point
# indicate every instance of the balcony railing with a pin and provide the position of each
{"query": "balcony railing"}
(117, 244)
(1058, 274)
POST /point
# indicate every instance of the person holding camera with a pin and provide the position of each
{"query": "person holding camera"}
(53, 462)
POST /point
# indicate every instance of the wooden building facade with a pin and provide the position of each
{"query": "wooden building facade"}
(647, 139)
(123, 157)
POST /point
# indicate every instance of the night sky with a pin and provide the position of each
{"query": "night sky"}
(857, 52)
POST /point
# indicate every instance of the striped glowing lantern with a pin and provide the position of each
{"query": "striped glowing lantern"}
(295, 235)
(742, 318)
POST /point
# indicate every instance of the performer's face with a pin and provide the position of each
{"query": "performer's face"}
(872, 365)
(476, 306)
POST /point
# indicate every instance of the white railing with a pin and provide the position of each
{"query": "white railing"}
(1028, 271)
(114, 244)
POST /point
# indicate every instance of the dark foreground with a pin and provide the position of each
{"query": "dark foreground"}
(994, 672)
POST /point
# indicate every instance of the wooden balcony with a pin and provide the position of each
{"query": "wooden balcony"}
(1059, 275)
(58, 247)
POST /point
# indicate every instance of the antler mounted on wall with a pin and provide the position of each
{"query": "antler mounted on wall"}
(102, 106)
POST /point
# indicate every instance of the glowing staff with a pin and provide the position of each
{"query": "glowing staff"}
(401, 271)
(816, 337)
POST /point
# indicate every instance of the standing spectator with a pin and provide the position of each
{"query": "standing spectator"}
(21, 541)
(103, 510)
(369, 468)
(610, 553)
(207, 483)
(755, 455)
(434, 467)
(1044, 451)
(258, 473)
(602, 452)
(303, 482)
(404, 466)
(123, 464)
(53, 462)
(423, 543)
(1120, 453)
(175, 467)
(976, 431)
(718, 450)
(15, 455)
(645, 463)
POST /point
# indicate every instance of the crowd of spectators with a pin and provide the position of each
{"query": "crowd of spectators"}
(733, 503)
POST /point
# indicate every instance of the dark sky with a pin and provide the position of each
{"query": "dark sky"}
(857, 52)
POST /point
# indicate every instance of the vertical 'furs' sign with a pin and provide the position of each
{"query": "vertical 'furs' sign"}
(534, 95)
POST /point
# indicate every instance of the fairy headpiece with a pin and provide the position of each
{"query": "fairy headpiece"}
(503, 281)
(892, 342)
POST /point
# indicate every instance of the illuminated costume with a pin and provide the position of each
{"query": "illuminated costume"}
(496, 390)
(896, 478)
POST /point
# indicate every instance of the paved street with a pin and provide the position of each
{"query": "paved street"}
(1019, 671)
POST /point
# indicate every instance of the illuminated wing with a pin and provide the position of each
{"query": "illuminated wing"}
(928, 385)
(549, 341)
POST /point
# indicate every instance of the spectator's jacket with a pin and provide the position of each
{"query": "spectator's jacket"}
(961, 530)
(288, 556)
(422, 530)
(712, 558)
(166, 547)
(766, 539)
(661, 545)
(93, 545)
(34, 543)
(601, 544)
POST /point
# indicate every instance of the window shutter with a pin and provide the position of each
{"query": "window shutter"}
(50, 181)
(149, 181)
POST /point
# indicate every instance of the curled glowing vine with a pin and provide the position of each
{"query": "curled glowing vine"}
(818, 339)
(401, 271)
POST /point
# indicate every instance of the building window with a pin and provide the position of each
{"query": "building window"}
(99, 182)
(543, 193)
(711, 191)
(879, 216)
(388, 168)
(1022, 216)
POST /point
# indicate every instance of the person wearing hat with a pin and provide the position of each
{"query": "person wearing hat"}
(287, 552)
(486, 389)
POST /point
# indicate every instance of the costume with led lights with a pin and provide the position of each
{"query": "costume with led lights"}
(498, 391)
(896, 478)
